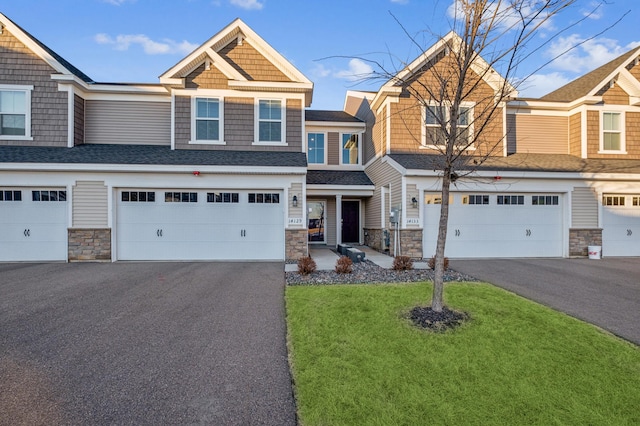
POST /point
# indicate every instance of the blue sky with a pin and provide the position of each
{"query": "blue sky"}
(137, 40)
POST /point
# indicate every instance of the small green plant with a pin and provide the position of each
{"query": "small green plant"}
(306, 265)
(402, 263)
(432, 263)
(344, 265)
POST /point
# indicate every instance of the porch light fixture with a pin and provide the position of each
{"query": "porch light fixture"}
(294, 201)
(414, 202)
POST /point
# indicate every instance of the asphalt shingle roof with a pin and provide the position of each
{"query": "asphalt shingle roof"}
(325, 115)
(337, 177)
(150, 155)
(530, 163)
(580, 87)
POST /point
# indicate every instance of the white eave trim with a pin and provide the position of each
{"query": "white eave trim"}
(150, 89)
(535, 175)
(271, 85)
(516, 104)
(329, 124)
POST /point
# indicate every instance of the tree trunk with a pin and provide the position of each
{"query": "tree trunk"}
(437, 300)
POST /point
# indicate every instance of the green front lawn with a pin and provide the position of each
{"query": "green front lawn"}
(356, 361)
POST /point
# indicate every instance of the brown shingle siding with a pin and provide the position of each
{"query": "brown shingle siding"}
(20, 66)
(250, 63)
(575, 134)
(206, 79)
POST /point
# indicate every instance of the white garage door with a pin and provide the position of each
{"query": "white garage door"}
(621, 225)
(33, 224)
(200, 225)
(496, 225)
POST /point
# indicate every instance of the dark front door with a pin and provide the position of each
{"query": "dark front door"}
(350, 221)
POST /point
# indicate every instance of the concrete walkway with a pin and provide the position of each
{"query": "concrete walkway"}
(325, 258)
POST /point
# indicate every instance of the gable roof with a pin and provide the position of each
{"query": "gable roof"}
(209, 51)
(524, 162)
(149, 155)
(450, 41)
(590, 83)
(326, 115)
(54, 60)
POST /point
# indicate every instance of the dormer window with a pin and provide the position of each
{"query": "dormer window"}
(270, 123)
(15, 112)
(436, 119)
(350, 148)
(612, 133)
(207, 121)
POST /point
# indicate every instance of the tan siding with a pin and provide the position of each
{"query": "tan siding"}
(135, 123)
(182, 121)
(635, 71)
(295, 189)
(584, 208)
(330, 227)
(333, 148)
(406, 114)
(632, 136)
(250, 63)
(539, 134)
(90, 204)
(201, 78)
(78, 120)
(511, 134)
(382, 174)
(615, 95)
(360, 108)
(575, 134)
(294, 124)
(20, 66)
(238, 122)
(239, 126)
(412, 191)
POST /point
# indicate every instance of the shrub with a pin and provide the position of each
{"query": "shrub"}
(306, 265)
(343, 265)
(402, 263)
(432, 263)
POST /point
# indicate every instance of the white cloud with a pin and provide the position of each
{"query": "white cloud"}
(506, 17)
(593, 11)
(248, 4)
(150, 47)
(320, 71)
(400, 1)
(358, 70)
(538, 85)
(588, 54)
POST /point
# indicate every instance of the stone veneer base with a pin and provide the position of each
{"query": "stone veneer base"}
(296, 243)
(89, 244)
(580, 239)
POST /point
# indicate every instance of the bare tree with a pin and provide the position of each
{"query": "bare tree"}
(460, 87)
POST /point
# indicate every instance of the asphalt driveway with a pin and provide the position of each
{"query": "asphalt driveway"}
(144, 343)
(604, 292)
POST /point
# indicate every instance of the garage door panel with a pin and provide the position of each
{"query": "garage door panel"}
(493, 230)
(621, 230)
(201, 230)
(33, 230)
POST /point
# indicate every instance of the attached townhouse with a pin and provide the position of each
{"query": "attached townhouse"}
(222, 160)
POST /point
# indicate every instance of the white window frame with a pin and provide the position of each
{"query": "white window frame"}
(360, 134)
(324, 234)
(326, 143)
(621, 132)
(194, 118)
(470, 130)
(283, 122)
(27, 106)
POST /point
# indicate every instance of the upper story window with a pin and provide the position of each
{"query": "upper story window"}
(350, 148)
(315, 148)
(15, 112)
(270, 121)
(612, 135)
(436, 120)
(207, 120)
